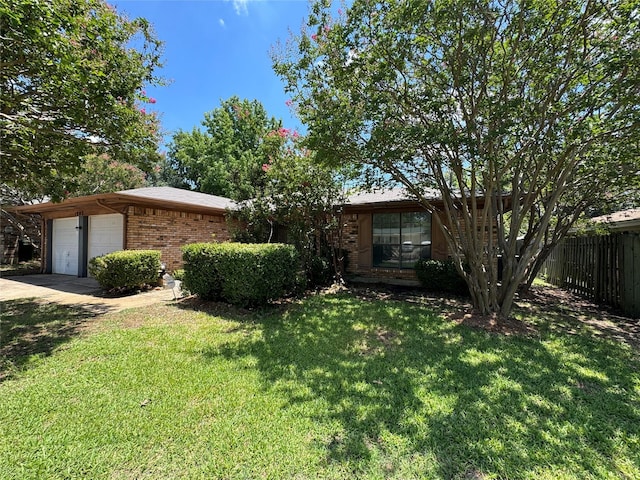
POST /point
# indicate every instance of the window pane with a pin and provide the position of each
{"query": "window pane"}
(385, 221)
(386, 228)
(400, 239)
(416, 228)
(386, 256)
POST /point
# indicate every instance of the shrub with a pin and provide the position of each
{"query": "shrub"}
(200, 270)
(240, 273)
(178, 274)
(126, 268)
(319, 271)
(440, 276)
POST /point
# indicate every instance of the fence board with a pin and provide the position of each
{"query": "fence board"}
(630, 295)
(605, 269)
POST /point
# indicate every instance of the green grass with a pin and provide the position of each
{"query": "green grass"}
(332, 387)
(21, 268)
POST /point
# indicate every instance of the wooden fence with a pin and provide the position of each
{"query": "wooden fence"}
(605, 269)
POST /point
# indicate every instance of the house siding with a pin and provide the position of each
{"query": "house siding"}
(169, 230)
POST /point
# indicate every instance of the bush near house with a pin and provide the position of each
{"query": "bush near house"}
(440, 276)
(240, 273)
(126, 268)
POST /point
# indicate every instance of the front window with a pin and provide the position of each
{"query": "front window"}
(401, 239)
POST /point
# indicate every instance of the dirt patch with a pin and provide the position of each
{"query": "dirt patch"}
(570, 312)
(121, 292)
(385, 337)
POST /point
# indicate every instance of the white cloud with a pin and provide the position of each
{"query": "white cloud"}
(221, 22)
(240, 6)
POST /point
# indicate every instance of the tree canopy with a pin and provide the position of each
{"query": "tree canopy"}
(226, 158)
(519, 112)
(101, 174)
(72, 76)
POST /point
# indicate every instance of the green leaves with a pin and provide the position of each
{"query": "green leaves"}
(126, 268)
(226, 158)
(241, 274)
(71, 85)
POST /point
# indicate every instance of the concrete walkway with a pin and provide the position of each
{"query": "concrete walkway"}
(80, 292)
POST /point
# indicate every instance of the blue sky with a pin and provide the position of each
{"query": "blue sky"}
(215, 49)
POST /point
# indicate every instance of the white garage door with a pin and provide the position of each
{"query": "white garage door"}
(105, 234)
(64, 247)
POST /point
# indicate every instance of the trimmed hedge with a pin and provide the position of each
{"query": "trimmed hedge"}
(242, 274)
(440, 276)
(126, 268)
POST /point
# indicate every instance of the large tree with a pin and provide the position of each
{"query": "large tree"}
(72, 75)
(226, 158)
(513, 109)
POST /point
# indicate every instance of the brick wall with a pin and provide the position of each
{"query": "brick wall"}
(350, 241)
(168, 231)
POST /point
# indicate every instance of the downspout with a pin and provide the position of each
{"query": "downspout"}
(100, 204)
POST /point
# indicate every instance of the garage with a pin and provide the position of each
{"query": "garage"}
(105, 234)
(75, 240)
(65, 246)
(148, 218)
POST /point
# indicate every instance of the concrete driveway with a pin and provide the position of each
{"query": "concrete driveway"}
(74, 291)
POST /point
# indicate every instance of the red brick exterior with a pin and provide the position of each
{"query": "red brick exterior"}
(350, 241)
(168, 231)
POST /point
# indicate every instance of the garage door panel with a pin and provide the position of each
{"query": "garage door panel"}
(65, 246)
(105, 234)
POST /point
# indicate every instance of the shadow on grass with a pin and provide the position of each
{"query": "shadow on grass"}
(400, 383)
(30, 328)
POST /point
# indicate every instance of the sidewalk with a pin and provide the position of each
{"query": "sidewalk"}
(80, 292)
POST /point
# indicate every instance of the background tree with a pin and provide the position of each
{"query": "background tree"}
(72, 85)
(164, 173)
(514, 110)
(101, 174)
(226, 158)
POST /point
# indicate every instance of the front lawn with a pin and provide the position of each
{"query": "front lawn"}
(335, 386)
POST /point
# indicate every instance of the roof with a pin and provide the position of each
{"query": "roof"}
(159, 197)
(622, 220)
(387, 196)
(401, 198)
(177, 195)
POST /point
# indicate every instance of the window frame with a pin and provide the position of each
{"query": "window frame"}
(400, 246)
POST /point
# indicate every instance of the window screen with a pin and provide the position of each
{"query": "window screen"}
(401, 239)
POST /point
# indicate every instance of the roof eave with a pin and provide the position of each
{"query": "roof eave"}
(113, 199)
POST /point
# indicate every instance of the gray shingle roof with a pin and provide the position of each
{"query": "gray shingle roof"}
(388, 195)
(177, 195)
(621, 216)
